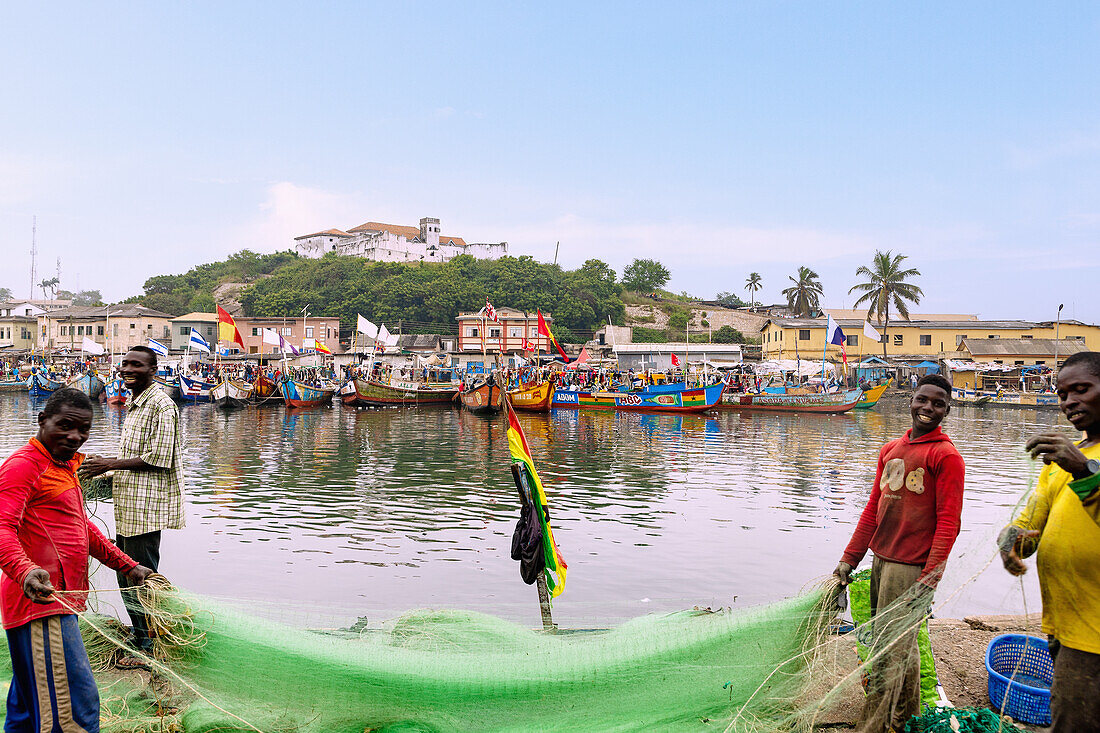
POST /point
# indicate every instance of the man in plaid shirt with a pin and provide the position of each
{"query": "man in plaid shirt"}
(148, 480)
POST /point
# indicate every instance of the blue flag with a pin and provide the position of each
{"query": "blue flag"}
(158, 347)
(198, 342)
(833, 334)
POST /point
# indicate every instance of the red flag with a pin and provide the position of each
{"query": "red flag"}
(544, 330)
(527, 345)
(490, 311)
(675, 360)
(227, 328)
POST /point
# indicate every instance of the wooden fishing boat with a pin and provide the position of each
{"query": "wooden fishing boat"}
(1004, 398)
(871, 397)
(231, 393)
(89, 383)
(13, 385)
(265, 388)
(654, 398)
(532, 397)
(40, 385)
(167, 385)
(117, 392)
(300, 394)
(483, 397)
(824, 402)
(194, 390)
(374, 393)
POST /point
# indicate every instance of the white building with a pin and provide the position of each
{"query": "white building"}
(395, 243)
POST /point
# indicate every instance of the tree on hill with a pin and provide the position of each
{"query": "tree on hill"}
(728, 335)
(752, 284)
(886, 286)
(729, 300)
(82, 297)
(5, 293)
(804, 296)
(645, 276)
(49, 287)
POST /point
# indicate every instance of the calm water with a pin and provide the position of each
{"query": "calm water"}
(339, 513)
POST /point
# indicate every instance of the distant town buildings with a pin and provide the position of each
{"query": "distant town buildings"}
(379, 242)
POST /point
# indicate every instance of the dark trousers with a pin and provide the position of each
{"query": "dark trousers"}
(1075, 694)
(52, 686)
(145, 550)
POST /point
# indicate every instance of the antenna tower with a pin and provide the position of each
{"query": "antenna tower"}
(34, 253)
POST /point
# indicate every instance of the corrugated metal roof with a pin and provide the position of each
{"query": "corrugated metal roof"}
(1022, 347)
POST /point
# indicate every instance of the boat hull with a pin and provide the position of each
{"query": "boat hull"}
(299, 394)
(675, 400)
(821, 402)
(194, 390)
(1024, 400)
(231, 394)
(170, 388)
(90, 384)
(372, 393)
(116, 392)
(483, 400)
(534, 398)
(871, 397)
(13, 386)
(39, 385)
(265, 388)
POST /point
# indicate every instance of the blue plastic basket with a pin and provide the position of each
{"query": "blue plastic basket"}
(1028, 692)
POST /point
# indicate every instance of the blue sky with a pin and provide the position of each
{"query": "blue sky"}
(718, 138)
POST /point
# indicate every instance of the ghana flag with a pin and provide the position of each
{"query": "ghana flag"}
(521, 454)
(544, 330)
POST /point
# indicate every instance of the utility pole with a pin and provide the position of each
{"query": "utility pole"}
(34, 253)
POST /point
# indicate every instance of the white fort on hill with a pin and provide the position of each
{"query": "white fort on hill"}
(394, 243)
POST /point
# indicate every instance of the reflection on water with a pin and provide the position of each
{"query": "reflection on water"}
(378, 511)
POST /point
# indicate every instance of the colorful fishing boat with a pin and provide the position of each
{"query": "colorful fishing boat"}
(824, 402)
(194, 390)
(89, 383)
(483, 397)
(116, 392)
(231, 393)
(265, 388)
(533, 397)
(675, 397)
(871, 397)
(375, 393)
(1004, 398)
(300, 394)
(39, 384)
(167, 385)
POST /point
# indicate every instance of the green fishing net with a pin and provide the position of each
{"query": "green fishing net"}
(225, 670)
(961, 720)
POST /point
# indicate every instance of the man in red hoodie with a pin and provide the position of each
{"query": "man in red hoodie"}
(910, 524)
(45, 540)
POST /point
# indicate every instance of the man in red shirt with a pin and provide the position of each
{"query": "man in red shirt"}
(910, 523)
(45, 540)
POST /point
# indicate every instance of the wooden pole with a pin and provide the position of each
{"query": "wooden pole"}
(540, 582)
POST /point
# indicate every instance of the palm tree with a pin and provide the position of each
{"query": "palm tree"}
(886, 286)
(804, 297)
(752, 284)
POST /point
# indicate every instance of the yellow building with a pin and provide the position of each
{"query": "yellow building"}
(116, 328)
(791, 338)
(18, 332)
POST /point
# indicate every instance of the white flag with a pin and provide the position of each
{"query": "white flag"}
(392, 340)
(383, 336)
(870, 332)
(271, 338)
(366, 327)
(90, 347)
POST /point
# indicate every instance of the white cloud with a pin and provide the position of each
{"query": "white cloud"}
(290, 210)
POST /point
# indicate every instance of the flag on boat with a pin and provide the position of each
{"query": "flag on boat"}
(383, 338)
(227, 328)
(88, 346)
(158, 348)
(490, 311)
(521, 454)
(675, 360)
(365, 327)
(322, 348)
(870, 332)
(833, 334)
(527, 345)
(544, 330)
(270, 336)
(198, 342)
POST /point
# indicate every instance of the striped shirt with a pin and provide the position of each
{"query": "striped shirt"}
(149, 501)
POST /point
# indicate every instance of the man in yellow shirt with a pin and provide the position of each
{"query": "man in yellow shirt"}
(1062, 522)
